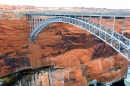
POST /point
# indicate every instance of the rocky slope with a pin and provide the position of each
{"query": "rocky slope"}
(16, 7)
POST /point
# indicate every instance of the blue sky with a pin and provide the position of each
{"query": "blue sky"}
(112, 4)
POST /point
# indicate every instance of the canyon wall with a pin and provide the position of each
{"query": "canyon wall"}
(61, 46)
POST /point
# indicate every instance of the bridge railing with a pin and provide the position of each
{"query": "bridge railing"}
(120, 43)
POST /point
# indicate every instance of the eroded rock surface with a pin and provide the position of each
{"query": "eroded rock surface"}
(62, 46)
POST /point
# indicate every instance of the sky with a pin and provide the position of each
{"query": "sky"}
(110, 4)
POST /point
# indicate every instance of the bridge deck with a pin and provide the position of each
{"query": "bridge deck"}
(77, 14)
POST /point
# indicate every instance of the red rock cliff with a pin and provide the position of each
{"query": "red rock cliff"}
(60, 45)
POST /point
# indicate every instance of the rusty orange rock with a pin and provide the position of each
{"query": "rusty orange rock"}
(59, 45)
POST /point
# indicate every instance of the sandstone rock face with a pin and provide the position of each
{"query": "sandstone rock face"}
(16, 7)
(61, 46)
(13, 36)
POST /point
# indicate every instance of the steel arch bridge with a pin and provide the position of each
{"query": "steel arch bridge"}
(117, 41)
(120, 43)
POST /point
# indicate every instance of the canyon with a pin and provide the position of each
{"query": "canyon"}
(66, 49)
(61, 46)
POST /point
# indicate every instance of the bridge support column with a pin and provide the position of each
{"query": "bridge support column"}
(82, 18)
(90, 19)
(123, 26)
(31, 23)
(34, 21)
(27, 17)
(38, 19)
(75, 16)
(100, 23)
(111, 22)
(112, 33)
(114, 21)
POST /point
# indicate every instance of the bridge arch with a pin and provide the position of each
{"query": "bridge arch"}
(120, 43)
